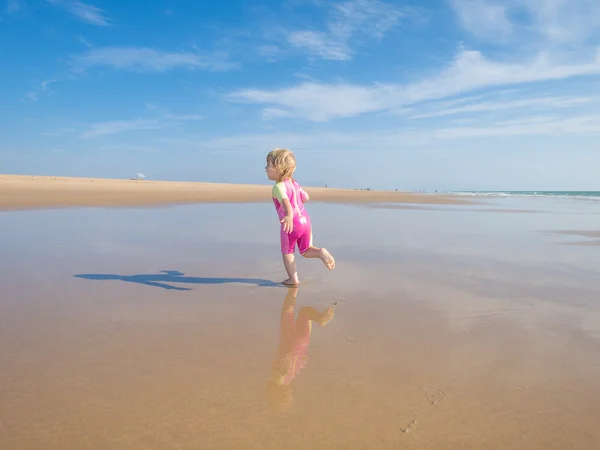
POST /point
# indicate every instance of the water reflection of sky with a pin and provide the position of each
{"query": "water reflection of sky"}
(197, 231)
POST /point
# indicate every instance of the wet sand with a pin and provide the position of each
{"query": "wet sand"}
(27, 192)
(592, 235)
(153, 328)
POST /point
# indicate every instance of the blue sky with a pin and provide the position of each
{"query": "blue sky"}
(430, 94)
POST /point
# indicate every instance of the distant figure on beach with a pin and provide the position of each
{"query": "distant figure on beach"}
(292, 353)
(289, 199)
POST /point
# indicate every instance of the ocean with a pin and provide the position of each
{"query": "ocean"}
(558, 194)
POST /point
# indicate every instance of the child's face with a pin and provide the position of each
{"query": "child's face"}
(272, 173)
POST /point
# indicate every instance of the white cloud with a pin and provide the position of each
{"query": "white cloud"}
(150, 60)
(353, 19)
(484, 18)
(84, 12)
(318, 102)
(549, 21)
(469, 71)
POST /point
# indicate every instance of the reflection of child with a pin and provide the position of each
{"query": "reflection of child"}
(289, 198)
(294, 338)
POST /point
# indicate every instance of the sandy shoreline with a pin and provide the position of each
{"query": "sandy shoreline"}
(129, 328)
(33, 192)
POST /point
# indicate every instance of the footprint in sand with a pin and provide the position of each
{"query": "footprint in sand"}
(432, 394)
(410, 427)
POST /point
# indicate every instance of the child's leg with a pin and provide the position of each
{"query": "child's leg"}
(322, 254)
(308, 250)
(288, 245)
(289, 261)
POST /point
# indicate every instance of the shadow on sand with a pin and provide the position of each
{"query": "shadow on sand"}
(161, 279)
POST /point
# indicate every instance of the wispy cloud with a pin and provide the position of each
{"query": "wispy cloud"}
(391, 141)
(144, 59)
(131, 148)
(85, 42)
(166, 114)
(274, 113)
(12, 6)
(318, 102)
(269, 50)
(60, 132)
(348, 21)
(182, 117)
(550, 21)
(542, 103)
(468, 72)
(84, 12)
(41, 89)
(484, 18)
(46, 83)
(164, 119)
(120, 126)
(551, 125)
(320, 44)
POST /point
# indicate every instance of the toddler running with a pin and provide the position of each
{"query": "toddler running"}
(289, 197)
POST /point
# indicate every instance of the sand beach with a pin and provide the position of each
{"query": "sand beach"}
(23, 191)
(453, 325)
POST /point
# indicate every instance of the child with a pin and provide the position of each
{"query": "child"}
(292, 353)
(289, 199)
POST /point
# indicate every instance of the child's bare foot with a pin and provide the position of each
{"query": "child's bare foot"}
(290, 283)
(327, 259)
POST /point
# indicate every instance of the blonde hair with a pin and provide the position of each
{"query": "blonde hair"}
(284, 161)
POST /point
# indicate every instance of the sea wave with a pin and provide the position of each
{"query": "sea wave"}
(584, 195)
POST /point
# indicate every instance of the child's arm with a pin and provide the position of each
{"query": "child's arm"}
(304, 195)
(288, 220)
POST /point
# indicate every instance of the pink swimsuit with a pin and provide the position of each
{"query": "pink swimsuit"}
(302, 233)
